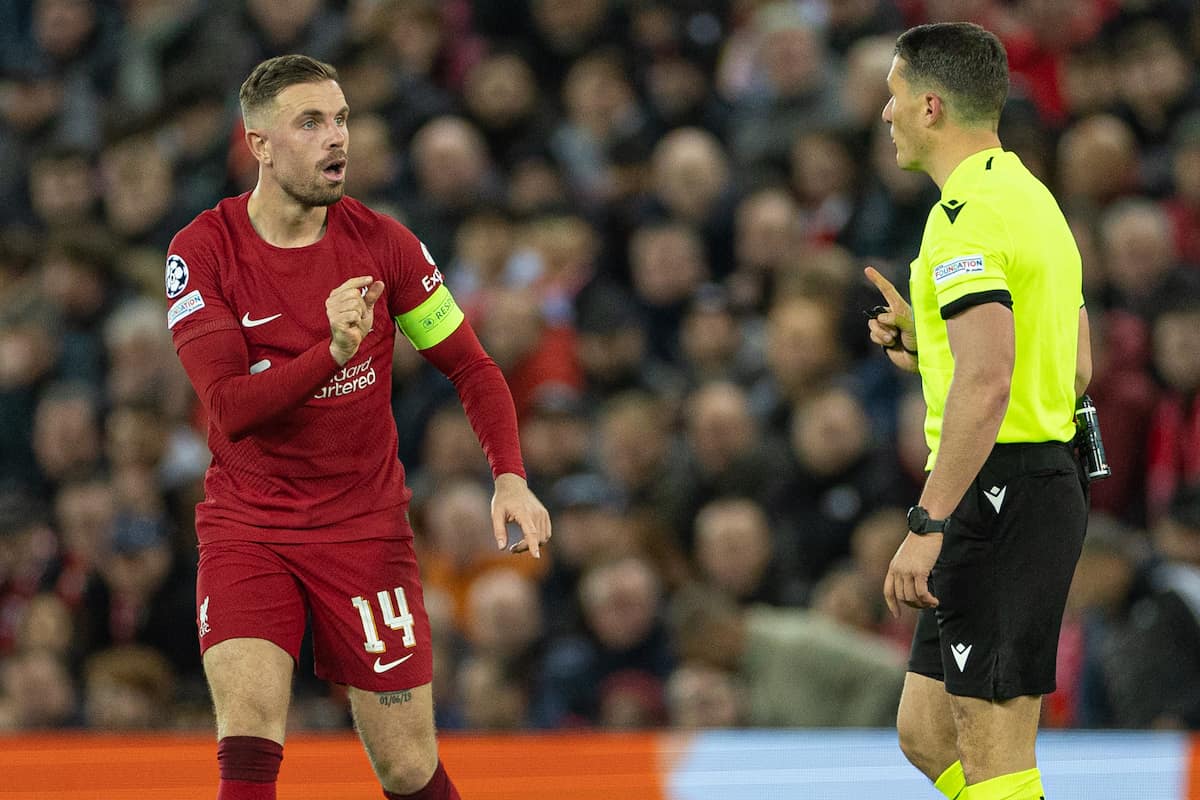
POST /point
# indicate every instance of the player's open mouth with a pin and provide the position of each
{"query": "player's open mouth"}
(335, 170)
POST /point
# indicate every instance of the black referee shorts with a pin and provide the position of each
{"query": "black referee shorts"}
(1001, 580)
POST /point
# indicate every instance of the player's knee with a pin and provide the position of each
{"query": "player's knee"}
(407, 770)
(251, 717)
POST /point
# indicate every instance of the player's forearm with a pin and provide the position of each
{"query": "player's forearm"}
(975, 408)
(237, 402)
(485, 398)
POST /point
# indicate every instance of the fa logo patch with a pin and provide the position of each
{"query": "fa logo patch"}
(177, 275)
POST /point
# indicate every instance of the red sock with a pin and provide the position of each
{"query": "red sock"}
(439, 788)
(249, 766)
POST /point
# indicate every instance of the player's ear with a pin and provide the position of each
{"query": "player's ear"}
(259, 146)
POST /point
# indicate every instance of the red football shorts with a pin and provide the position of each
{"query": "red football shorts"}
(370, 629)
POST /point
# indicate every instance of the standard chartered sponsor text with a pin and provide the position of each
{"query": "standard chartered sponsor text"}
(348, 379)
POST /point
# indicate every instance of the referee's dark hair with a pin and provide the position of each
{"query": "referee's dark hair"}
(961, 61)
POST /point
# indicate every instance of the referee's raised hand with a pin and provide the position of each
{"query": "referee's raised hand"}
(894, 329)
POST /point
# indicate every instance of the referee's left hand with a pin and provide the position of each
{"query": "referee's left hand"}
(907, 578)
(514, 502)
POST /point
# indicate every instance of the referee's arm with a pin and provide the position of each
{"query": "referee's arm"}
(983, 341)
(1083, 355)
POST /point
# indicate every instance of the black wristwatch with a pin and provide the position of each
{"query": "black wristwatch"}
(921, 523)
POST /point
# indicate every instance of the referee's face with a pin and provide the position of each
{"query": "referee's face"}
(902, 113)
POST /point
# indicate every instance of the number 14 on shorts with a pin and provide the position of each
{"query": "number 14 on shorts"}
(396, 617)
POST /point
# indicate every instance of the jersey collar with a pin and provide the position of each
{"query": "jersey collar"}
(967, 167)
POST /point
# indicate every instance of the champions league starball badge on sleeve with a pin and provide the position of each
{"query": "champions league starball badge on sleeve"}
(177, 275)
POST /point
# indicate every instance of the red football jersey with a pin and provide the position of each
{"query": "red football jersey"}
(326, 469)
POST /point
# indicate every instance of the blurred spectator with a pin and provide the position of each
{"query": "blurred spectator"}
(842, 476)
(798, 668)
(639, 454)
(63, 187)
(1153, 667)
(530, 350)
(632, 700)
(501, 94)
(1183, 206)
(1138, 252)
(555, 436)
(767, 228)
(1097, 162)
(1112, 575)
(668, 264)
(27, 548)
(614, 351)
(591, 528)
(727, 455)
(453, 175)
(1172, 460)
(457, 547)
(791, 87)
(701, 696)
(715, 345)
(621, 607)
(77, 282)
(67, 436)
(601, 114)
(692, 183)
(36, 693)
(495, 599)
(735, 554)
(823, 180)
(803, 353)
(126, 689)
(493, 695)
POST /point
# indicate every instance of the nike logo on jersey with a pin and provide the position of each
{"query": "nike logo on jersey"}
(254, 323)
(995, 496)
(952, 209)
(391, 664)
(961, 653)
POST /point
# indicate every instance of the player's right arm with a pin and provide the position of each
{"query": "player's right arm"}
(214, 354)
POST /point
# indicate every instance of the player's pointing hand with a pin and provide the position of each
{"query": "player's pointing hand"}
(351, 312)
(514, 502)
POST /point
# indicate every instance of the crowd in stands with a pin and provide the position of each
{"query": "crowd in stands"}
(655, 214)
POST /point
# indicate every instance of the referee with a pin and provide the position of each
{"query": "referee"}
(998, 332)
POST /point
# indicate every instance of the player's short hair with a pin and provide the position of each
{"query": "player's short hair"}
(961, 60)
(274, 75)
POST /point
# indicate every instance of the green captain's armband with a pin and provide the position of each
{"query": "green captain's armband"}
(433, 321)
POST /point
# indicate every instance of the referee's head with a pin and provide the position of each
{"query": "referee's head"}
(948, 83)
(962, 63)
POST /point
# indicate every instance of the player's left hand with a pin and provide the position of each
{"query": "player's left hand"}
(514, 502)
(907, 579)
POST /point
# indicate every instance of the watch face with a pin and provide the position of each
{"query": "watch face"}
(917, 517)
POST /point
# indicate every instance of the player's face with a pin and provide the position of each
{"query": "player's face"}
(308, 141)
(902, 113)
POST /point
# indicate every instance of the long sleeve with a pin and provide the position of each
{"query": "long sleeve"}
(485, 397)
(237, 402)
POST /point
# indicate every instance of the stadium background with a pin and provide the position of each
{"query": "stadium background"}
(655, 215)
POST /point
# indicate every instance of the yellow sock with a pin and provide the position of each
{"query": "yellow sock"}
(1025, 785)
(952, 781)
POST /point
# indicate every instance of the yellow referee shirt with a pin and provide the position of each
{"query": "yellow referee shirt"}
(998, 235)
